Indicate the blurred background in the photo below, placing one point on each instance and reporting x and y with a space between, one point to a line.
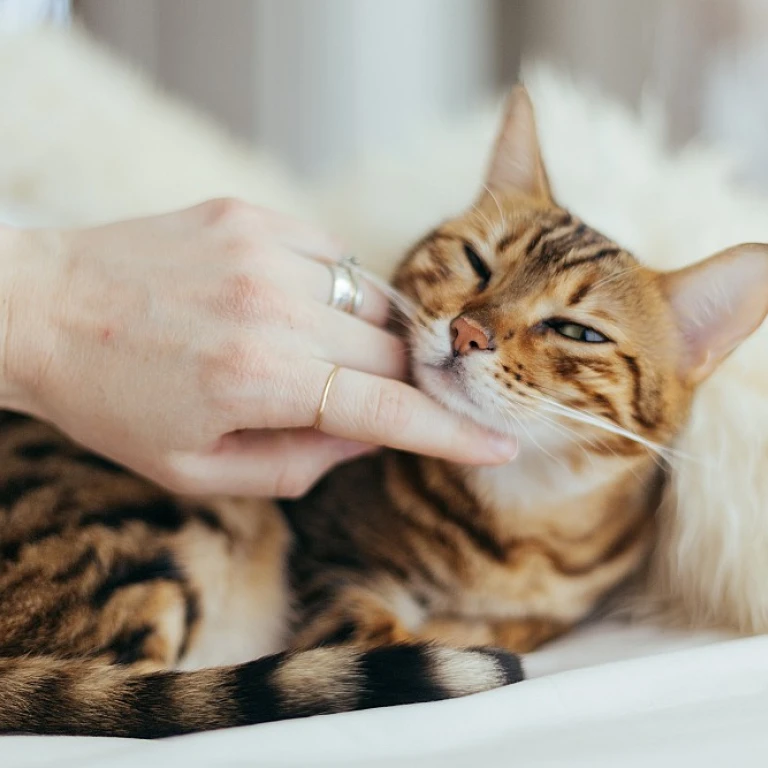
323 81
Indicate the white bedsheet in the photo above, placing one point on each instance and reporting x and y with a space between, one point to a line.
684 699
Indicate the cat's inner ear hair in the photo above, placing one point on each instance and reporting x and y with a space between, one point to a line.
516 162
716 304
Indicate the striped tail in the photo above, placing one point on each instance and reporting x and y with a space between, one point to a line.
44 695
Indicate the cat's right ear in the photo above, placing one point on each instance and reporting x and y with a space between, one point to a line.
717 303
516 162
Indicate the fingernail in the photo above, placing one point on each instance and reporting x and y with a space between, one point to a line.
503 447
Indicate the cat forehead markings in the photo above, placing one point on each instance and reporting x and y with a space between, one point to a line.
536 247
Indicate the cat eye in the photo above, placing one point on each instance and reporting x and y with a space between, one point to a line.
478 265
577 332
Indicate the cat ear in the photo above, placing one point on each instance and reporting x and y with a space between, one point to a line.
516 162
717 303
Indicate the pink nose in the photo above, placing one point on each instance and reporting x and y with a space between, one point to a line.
468 336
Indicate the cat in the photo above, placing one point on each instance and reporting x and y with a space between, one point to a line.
126 611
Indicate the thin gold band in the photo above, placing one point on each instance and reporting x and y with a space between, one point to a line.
324 396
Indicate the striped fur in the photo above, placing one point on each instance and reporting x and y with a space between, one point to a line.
88 698
402 548
108 585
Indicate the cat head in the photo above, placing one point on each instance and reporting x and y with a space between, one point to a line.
529 321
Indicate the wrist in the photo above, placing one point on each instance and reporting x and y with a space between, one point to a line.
24 300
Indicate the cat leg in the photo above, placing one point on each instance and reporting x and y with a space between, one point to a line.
357 616
457 632
526 635
517 635
147 626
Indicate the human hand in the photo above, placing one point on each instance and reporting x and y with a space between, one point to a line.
194 347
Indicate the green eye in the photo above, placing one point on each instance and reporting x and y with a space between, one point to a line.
577 332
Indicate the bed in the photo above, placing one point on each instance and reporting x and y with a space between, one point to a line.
610 695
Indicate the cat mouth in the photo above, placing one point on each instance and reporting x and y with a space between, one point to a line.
446 382
450 371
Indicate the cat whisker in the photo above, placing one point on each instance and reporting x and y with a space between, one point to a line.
587 418
657 453
608 426
596 421
592 441
481 215
506 417
495 200
536 442
561 428
617 276
570 434
402 303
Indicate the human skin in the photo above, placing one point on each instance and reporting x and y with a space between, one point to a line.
193 347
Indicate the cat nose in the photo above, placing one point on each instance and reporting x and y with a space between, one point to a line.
468 336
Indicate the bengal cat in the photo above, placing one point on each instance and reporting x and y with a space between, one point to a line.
126 611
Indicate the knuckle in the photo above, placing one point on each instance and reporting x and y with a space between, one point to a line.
225 210
233 365
245 251
391 411
243 296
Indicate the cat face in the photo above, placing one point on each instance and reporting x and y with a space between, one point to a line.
530 321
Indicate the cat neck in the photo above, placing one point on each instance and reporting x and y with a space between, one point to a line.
564 478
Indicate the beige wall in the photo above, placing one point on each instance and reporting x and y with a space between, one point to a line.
199 49
322 81
706 59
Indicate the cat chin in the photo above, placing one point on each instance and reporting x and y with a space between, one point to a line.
443 387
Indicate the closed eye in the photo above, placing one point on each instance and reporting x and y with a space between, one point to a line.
576 331
478 265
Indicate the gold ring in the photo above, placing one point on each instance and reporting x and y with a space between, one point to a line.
324 397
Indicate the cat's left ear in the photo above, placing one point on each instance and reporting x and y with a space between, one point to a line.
717 303
516 162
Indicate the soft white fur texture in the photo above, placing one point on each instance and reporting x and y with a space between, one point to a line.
82 140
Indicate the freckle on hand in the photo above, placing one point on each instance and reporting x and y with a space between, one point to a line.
106 334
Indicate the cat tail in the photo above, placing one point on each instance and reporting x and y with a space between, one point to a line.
46 695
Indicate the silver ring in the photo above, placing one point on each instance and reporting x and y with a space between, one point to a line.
346 293
353 267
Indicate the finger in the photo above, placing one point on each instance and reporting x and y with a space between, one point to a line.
301 236
351 344
267 463
378 410
372 409
292 273
374 307
298 235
